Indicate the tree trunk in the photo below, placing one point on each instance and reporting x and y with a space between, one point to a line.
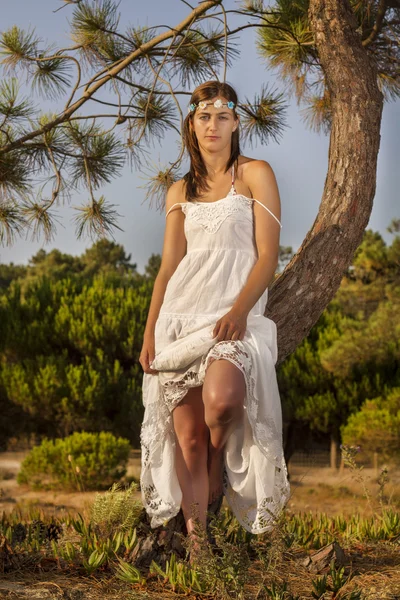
375 463
333 453
311 279
289 440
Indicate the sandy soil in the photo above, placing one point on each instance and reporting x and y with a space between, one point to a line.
312 489
340 492
52 502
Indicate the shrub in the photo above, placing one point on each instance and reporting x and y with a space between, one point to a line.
82 461
376 427
116 510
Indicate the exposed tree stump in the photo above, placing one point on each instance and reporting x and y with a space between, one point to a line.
158 544
320 560
9 560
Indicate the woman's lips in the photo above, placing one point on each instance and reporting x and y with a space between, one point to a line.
212 137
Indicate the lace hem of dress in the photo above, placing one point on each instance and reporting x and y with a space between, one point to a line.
154 431
270 509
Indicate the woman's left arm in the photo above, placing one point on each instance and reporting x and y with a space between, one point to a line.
264 188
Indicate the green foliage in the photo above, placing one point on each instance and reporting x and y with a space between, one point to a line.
82 461
10 106
9 273
128 573
104 258
376 427
71 331
371 260
353 352
279 592
289 46
321 585
226 567
305 530
95 561
219 574
92 28
116 510
180 577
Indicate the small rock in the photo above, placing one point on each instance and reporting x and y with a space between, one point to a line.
321 559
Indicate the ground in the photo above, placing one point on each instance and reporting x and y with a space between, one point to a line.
312 489
315 490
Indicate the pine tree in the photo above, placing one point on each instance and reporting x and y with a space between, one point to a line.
344 51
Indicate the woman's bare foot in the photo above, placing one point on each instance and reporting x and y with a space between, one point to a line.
194 549
215 465
197 536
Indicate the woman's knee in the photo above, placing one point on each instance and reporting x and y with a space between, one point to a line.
190 428
224 392
222 405
193 442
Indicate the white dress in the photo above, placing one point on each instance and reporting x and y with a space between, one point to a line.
221 252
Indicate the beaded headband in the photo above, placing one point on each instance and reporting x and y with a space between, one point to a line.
218 104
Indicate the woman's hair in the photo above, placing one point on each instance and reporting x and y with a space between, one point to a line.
196 178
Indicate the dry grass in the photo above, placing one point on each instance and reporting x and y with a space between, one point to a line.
275 564
53 503
376 569
334 492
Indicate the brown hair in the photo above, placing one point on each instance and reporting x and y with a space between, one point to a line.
196 178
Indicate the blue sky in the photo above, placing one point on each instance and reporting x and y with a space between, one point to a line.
299 158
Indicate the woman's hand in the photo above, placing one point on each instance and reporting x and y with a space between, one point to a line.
147 354
231 326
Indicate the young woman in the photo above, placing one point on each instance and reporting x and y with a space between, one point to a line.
213 421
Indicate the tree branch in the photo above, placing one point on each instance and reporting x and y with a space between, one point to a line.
380 15
204 7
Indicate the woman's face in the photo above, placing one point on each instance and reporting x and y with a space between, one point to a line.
214 126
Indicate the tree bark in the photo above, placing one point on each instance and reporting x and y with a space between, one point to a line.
333 453
298 296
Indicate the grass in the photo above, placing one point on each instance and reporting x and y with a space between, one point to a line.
248 567
88 555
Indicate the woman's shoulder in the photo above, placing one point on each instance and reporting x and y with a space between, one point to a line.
256 173
175 194
177 188
253 166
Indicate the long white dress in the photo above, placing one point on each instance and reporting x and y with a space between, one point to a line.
221 252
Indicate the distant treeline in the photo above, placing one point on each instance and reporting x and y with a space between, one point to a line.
71 330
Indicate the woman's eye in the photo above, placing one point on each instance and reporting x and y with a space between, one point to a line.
203 117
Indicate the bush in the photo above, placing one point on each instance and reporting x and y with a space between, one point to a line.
116 510
82 461
376 427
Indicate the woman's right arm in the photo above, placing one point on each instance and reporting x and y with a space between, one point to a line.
174 249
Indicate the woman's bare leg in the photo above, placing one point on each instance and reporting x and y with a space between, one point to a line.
224 391
191 455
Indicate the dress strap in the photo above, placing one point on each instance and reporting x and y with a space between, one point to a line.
176 204
263 205
233 189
